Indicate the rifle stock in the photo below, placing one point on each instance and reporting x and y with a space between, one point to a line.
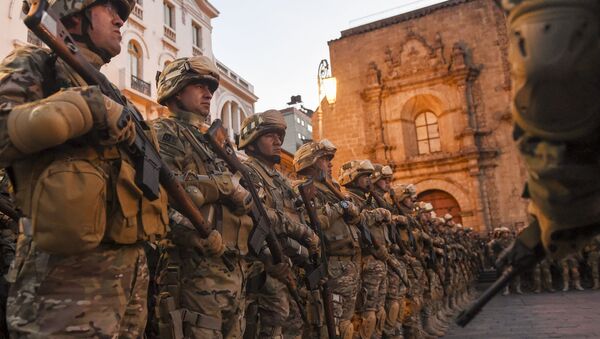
151 171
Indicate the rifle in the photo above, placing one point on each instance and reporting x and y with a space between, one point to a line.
307 192
150 170
217 138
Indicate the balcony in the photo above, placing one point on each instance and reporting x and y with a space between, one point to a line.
196 50
170 34
140 85
138 11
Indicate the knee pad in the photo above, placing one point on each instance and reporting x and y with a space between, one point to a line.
393 312
346 329
367 325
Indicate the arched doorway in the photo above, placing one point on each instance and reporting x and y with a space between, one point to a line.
442 203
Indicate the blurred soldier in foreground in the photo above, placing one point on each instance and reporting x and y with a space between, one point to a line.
554 53
80 268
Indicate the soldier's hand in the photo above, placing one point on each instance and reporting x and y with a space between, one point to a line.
212 246
313 242
279 271
240 197
381 215
110 123
351 212
400 219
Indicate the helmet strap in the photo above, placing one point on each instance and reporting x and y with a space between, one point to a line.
86 26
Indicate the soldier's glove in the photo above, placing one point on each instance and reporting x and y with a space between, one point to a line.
400 219
381 215
112 125
281 271
312 240
52 121
350 211
239 197
382 254
212 246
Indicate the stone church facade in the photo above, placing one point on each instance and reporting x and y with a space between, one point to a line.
429 93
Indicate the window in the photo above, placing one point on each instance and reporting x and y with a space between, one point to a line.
428 135
135 59
297 120
196 35
169 15
309 127
302 122
300 136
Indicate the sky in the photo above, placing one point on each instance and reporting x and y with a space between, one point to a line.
277 45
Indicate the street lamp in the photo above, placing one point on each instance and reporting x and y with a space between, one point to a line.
327 88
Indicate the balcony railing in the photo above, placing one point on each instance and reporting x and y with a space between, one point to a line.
196 50
170 33
138 11
140 85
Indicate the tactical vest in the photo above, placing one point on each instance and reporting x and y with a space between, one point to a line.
190 163
341 239
80 194
379 231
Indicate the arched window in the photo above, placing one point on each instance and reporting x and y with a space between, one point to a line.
135 59
428 134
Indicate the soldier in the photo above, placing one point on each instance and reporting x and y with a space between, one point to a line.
570 271
80 268
396 290
542 272
338 219
201 282
261 138
355 177
593 261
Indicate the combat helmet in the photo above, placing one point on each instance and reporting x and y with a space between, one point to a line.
261 123
184 71
310 152
66 8
404 191
353 169
381 172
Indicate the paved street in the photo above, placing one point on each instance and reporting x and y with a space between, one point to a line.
548 315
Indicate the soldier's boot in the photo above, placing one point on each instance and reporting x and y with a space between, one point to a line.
596 283
427 324
538 286
577 285
506 291
565 284
518 289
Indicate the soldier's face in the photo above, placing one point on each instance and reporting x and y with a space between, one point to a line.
364 182
269 145
323 164
383 184
105 30
195 98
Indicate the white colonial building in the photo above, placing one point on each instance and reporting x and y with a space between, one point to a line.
157 32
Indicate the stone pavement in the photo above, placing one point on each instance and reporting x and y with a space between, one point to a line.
573 314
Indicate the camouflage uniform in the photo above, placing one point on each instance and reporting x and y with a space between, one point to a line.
200 296
60 289
542 270
593 261
570 268
338 220
370 306
273 298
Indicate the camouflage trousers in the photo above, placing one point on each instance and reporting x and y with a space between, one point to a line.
372 297
97 294
207 299
394 305
593 262
273 301
569 265
344 283
542 273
